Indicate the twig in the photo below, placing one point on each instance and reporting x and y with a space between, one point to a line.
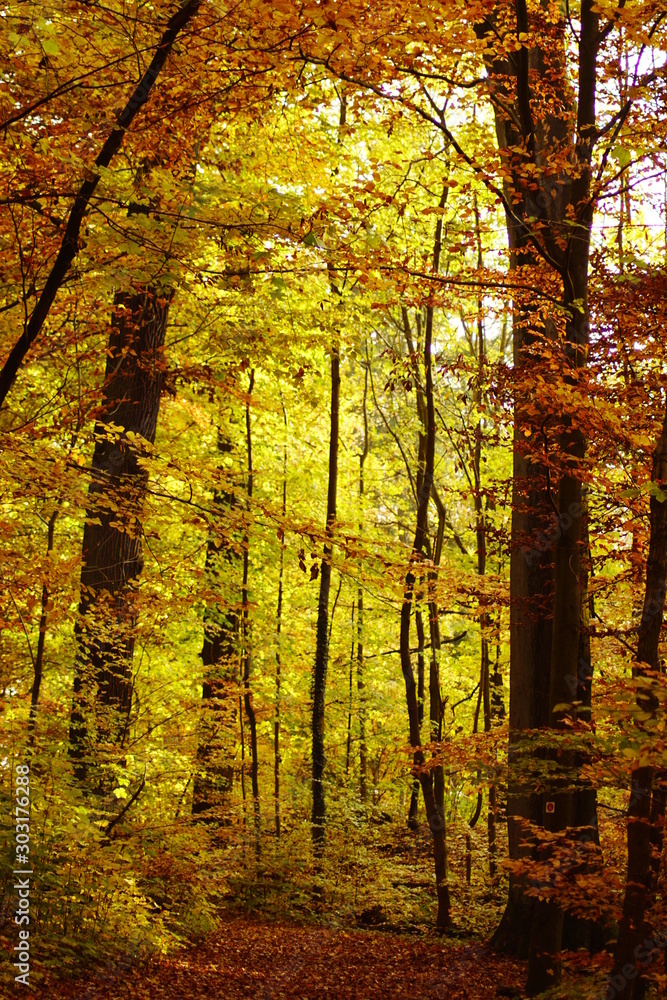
127 805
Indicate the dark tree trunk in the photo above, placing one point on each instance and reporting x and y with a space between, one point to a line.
579 932
544 959
636 949
279 620
112 550
361 687
246 642
348 749
322 647
414 797
434 811
214 776
481 530
38 665
545 602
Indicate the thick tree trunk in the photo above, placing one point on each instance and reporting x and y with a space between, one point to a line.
636 948
112 550
544 630
559 803
322 647
579 932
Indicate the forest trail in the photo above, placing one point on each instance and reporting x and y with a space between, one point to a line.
249 958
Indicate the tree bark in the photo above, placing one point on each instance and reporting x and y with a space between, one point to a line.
635 949
348 749
112 549
43 619
414 797
434 812
361 687
481 533
279 620
544 960
545 603
322 647
245 631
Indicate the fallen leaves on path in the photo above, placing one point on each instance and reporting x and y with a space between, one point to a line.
250 958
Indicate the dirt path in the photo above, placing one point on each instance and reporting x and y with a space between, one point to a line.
278 961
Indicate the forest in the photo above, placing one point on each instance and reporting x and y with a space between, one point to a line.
333 499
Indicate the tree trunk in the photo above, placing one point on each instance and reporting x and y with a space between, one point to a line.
636 949
112 551
414 797
38 665
348 749
481 534
544 960
279 619
361 692
214 775
538 201
434 812
322 647
245 631
579 932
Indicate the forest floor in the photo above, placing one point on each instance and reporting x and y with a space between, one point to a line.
251 958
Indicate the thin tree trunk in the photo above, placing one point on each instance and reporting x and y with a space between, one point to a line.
435 698
322 647
348 749
279 618
421 663
214 774
39 657
112 551
361 693
635 948
245 624
481 530
434 813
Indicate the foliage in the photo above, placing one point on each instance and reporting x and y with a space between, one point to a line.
280 189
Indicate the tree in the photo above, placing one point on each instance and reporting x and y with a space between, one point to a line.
112 541
70 241
217 742
428 777
636 947
301 257
322 642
